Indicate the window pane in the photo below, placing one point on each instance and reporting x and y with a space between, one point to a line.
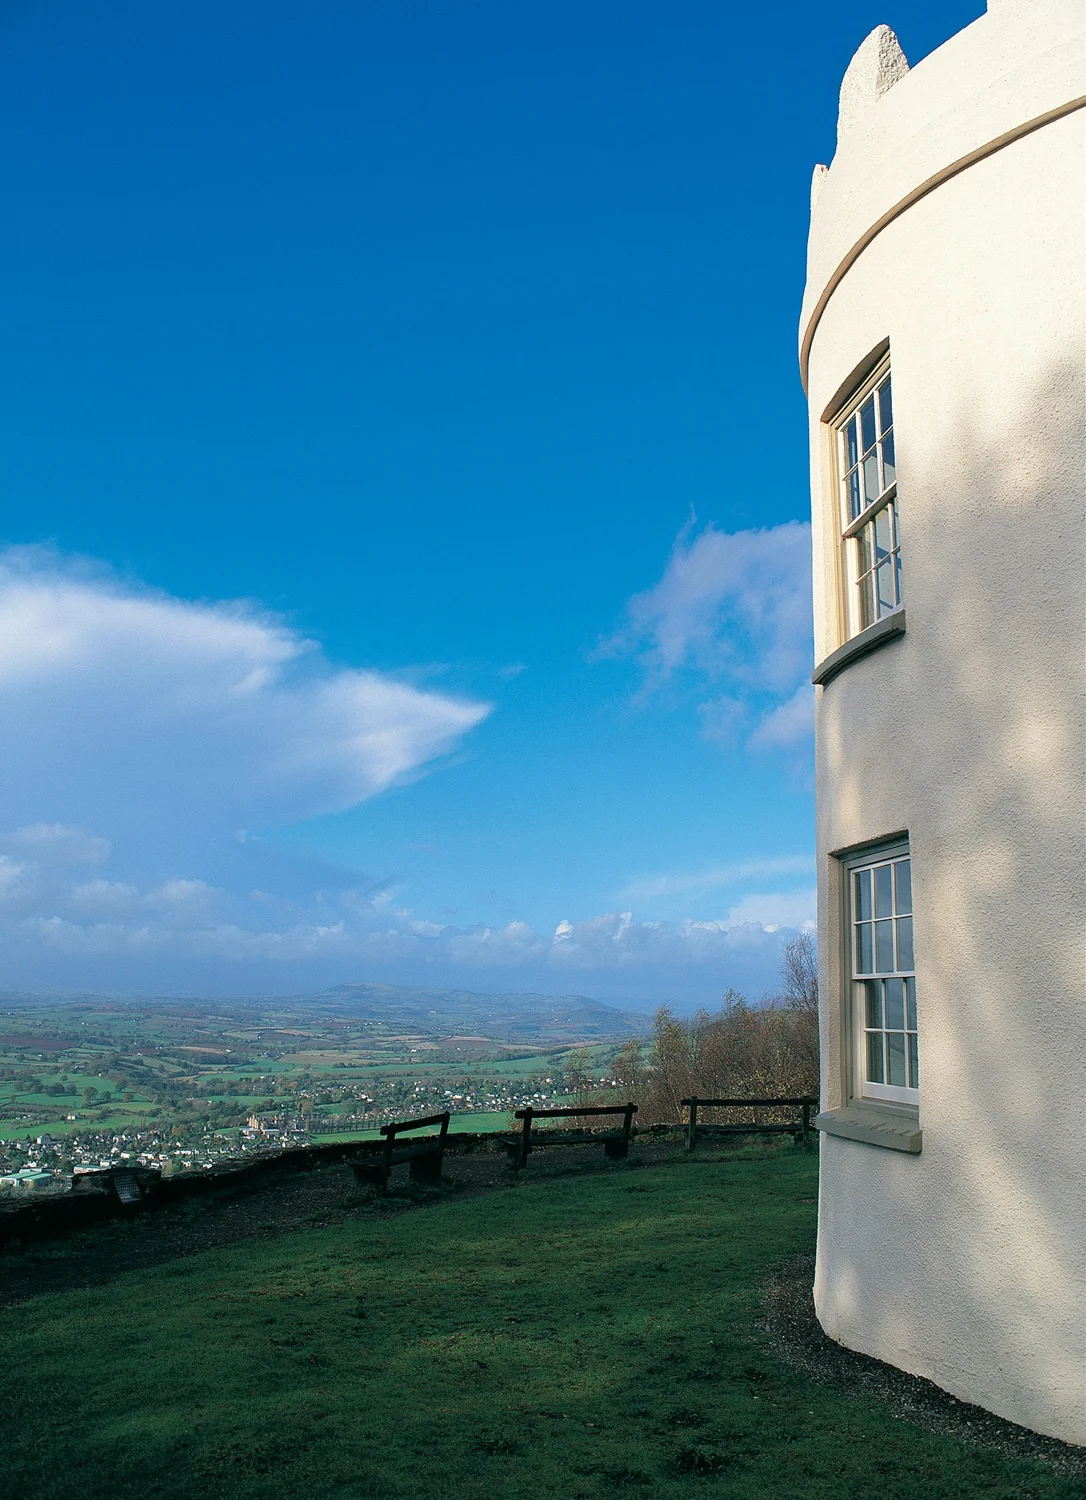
895 1004
884 947
889 468
872 488
883 896
873 999
886 588
903 879
914 1065
910 1003
867 601
884 536
867 423
895 1058
863 551
897 576
864 953
855 499
905 943
861 896
851 443
886 413
874 1057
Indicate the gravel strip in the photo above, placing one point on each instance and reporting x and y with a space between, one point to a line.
798 1339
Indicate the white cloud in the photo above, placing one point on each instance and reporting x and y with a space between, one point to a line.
140 732
49 919
169 721
57 844
729 604
104 898
731 608
792 909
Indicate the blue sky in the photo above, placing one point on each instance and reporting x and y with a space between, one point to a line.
403 464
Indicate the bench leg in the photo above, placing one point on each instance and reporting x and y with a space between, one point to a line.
370 1174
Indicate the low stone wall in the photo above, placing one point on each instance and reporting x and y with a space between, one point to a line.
95 1202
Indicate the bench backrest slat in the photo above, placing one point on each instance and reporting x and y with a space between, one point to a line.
583 1109
399 1126
743 1103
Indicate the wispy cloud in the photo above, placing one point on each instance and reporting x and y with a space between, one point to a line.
790 723
170 720
717 877
65 920
732 610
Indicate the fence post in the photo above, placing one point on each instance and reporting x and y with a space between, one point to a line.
692 1125
526 1131
806 1120
627 1125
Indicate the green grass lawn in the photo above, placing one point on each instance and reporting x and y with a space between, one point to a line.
573 1337
124 1117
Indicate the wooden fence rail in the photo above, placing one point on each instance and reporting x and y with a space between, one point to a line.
800 1129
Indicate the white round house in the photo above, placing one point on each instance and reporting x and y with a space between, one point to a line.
941 345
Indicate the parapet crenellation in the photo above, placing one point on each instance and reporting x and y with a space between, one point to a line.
877 64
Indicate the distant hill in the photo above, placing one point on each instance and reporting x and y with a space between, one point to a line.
513 1018
510 1017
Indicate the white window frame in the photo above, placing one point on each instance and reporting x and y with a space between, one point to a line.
867 507
859 978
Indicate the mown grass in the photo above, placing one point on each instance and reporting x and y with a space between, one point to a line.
573 1338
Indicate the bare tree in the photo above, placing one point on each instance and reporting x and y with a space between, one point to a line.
799 973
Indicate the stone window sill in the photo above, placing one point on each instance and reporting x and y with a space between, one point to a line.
896 1128
880 634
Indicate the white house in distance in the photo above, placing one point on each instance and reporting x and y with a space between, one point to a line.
942 352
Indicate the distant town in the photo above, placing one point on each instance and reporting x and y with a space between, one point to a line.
91 1085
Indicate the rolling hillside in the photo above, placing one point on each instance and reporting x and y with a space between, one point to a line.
506 1017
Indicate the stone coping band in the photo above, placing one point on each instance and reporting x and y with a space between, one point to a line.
889 628
921 191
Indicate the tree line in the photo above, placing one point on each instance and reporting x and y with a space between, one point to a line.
740 1051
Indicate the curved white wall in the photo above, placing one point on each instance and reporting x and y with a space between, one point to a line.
965 1263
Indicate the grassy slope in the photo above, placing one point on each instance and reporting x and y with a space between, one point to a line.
569 1338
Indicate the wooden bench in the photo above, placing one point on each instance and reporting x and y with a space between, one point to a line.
130 1185
799 1130
425 1157
616 1146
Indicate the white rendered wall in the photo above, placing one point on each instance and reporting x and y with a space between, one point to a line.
965 1263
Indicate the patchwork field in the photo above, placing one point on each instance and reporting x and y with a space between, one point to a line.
575 1334
174 1078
